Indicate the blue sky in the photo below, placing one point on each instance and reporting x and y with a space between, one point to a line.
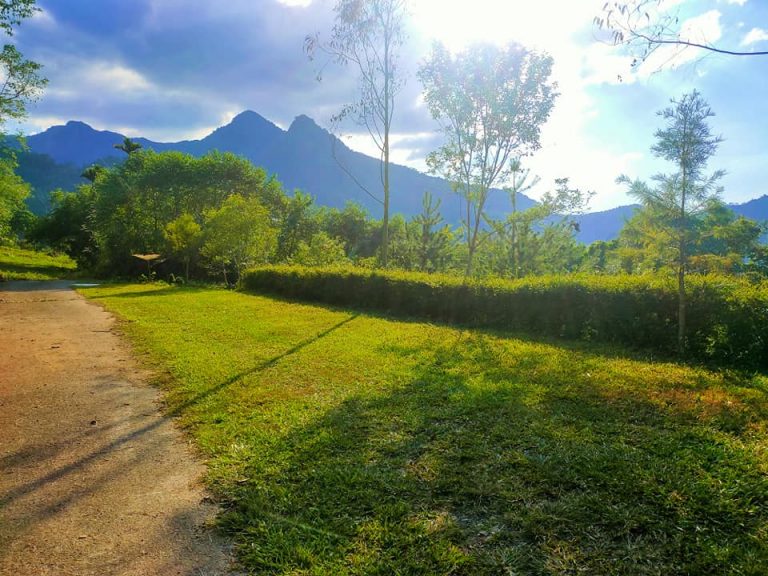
177 69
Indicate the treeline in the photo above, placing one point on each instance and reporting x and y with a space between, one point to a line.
217 215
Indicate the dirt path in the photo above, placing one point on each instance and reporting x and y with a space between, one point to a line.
93 480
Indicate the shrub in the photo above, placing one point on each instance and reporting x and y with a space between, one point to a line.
727 317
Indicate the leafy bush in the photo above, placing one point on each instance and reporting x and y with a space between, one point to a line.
727 317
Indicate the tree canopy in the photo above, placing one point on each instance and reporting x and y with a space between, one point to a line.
491 103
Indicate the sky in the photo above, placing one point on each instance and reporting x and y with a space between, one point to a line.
176 69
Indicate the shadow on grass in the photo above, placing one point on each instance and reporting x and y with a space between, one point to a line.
44 270
593 348
160 290
110 445
488 470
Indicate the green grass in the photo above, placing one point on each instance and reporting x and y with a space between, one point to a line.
21 264
342 443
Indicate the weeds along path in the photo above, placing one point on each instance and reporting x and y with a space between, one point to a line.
93 480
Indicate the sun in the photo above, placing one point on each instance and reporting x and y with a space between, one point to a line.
541 24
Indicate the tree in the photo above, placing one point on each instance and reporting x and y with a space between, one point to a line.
184 235
435 238
93 172
541 239
678 199
13 191
135 200
720 241
21 81
128 146
368 34
519 185
299 225
320 250
644 26
70 225
238 235
353 226
491 103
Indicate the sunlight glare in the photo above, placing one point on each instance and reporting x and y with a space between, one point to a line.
542 24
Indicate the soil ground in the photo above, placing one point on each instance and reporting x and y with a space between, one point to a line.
93 479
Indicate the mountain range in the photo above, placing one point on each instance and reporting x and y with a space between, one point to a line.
304 157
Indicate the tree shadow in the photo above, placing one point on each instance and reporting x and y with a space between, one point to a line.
94 466
47 270
609 350
178 409
488 464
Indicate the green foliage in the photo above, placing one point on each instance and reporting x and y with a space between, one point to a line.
23 264
539 240
70 226
299 224
238 235
719 242
353 226
22 83
434 238
728 317
491 103
136 200
321 250
344 444
184 237
675 204
21 79
128 146
13 191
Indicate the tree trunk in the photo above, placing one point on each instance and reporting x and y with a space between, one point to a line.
387 121
186 270
385 223
681 298
515 257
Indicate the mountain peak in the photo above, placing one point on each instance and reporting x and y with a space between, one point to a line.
248 117
78 125
302 122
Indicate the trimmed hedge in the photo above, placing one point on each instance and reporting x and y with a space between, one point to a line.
727 317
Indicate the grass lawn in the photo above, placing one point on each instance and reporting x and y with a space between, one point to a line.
344 443
21 264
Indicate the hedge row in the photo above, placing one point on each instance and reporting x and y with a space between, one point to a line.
727 317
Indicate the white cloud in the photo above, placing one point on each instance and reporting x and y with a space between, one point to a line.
737 2
43 18
114 77
294 3
34 124
754 36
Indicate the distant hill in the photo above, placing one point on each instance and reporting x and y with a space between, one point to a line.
304 157
604 225
45 175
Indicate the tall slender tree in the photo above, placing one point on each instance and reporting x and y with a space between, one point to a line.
519 184
679 198
368 34
491 103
